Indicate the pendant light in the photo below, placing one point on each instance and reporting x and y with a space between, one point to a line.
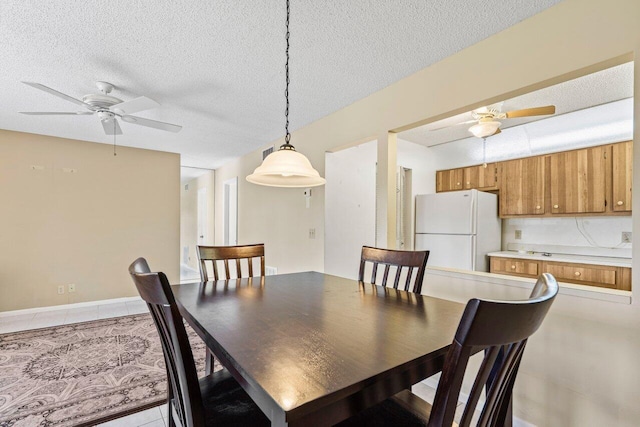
286 167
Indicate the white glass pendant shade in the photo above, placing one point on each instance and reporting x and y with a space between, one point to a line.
286 168
485 128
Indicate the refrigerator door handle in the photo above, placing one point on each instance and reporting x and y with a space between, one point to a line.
474 249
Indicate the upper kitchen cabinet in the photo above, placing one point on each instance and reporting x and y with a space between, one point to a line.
450 180
622 157
470 178
522 187
481 177
578 181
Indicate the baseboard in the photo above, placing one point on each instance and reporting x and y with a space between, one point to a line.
67 306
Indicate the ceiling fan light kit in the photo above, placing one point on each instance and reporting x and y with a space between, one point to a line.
485 128
286 167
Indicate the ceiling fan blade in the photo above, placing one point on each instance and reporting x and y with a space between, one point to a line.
450 126
111 127
56 93
43 113
133 106
538 111
151 123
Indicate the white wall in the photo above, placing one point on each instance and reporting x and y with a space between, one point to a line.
595 235
350 199
423 164
350 207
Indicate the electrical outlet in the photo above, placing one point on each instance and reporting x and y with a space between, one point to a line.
312 233
71 287
626 237
518 234
60 289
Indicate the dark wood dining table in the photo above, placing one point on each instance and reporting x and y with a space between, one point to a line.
314 349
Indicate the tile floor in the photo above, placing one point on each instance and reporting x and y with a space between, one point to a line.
154 417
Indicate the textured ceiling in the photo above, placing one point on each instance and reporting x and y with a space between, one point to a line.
599 88
217 66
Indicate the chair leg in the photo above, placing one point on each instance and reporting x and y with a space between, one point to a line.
170 411
209 362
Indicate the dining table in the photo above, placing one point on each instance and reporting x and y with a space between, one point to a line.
312 349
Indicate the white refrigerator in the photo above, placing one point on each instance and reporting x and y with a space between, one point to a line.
459 228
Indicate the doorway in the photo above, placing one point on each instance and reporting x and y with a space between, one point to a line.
231 212
202 216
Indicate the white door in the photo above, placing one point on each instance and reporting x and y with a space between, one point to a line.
446 213
450 251
202 216
231 212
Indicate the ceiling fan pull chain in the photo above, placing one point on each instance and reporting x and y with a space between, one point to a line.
114 137
484 152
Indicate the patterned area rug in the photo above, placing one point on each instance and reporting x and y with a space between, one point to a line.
85 373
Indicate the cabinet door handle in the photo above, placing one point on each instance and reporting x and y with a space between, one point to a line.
620 203
513 267
555 206
457 183
538 207
577 273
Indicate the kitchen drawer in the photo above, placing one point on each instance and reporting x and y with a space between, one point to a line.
515 266
584 274
603 276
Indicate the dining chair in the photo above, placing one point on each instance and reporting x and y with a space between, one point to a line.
412 260
493 326
214 400
214 254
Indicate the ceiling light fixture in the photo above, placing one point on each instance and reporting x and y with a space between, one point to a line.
485 128
286 167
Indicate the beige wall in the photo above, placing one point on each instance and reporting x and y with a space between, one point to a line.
189 216
570 39
84 227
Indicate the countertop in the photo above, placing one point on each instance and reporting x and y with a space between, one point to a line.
577 259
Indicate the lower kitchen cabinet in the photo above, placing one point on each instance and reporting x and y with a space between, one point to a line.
515 266
585 274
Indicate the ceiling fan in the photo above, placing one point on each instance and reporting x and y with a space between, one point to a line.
108 108
487 118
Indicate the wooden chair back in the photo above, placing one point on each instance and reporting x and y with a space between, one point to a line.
501 328
214 254
185 400
412 260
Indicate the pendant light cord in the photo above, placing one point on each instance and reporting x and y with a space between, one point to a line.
287 136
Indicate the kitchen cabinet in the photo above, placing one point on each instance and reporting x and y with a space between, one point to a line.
603 276
590 181
622 158
522 186
468 178
481 178
578 180
450 180
514 266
